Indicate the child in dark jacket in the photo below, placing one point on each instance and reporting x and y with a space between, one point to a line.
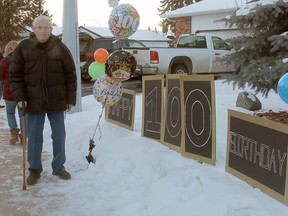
7 96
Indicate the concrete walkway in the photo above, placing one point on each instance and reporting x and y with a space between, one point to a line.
14 201
33 201
10 168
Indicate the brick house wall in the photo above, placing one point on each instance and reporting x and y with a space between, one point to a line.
183 26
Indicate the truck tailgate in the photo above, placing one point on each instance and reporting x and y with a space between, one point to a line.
142 55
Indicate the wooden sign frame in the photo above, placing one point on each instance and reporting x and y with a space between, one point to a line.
257 151
199 133
122 105
152 106
171 134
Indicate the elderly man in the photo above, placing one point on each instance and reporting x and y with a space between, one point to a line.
43 79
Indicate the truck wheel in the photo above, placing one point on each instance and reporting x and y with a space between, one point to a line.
179 69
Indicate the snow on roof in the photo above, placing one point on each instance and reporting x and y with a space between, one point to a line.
140 34
99 31
249 7
55 31
206 7
145 35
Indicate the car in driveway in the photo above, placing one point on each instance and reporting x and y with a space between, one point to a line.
111 44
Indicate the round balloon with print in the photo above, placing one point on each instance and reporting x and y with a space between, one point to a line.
120 65
123 21
107 91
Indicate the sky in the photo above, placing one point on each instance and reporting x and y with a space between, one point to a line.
137 176
96 13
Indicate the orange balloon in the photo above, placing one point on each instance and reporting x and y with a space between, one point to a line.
101 55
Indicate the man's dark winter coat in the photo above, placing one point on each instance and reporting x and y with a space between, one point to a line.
43 74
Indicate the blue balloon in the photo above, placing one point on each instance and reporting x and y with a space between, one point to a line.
282 87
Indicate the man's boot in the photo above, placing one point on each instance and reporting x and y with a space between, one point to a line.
33 177
14 137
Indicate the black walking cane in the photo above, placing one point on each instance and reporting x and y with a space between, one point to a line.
24 143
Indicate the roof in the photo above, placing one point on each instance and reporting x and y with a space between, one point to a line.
206 7
56 30
140 34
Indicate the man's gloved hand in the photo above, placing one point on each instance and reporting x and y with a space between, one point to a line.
21 103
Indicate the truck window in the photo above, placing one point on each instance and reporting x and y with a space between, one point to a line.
201 42
136 44
219 44
83 46
192 41
127 43
101 44
119 44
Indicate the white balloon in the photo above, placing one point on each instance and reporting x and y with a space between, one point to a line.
107 91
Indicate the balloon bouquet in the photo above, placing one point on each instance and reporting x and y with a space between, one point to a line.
111 70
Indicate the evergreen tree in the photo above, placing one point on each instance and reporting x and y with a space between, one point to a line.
12 15
260 50
36 9
15 15
170 5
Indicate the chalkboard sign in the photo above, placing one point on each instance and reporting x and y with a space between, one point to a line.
152 104
122 113
198 108
257 151
172 128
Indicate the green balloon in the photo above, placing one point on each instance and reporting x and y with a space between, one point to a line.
96 70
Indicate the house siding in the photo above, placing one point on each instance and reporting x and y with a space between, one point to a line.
204 23
211 24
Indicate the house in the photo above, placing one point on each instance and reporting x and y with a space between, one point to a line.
204 16
26 32
150 39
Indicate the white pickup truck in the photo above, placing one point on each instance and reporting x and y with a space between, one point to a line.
193 54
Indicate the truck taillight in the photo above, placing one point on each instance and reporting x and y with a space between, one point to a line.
90 57
154 58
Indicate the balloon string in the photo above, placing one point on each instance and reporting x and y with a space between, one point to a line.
100 116
90 158
98 123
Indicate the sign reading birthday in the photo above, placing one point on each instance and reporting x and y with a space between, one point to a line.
257 153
